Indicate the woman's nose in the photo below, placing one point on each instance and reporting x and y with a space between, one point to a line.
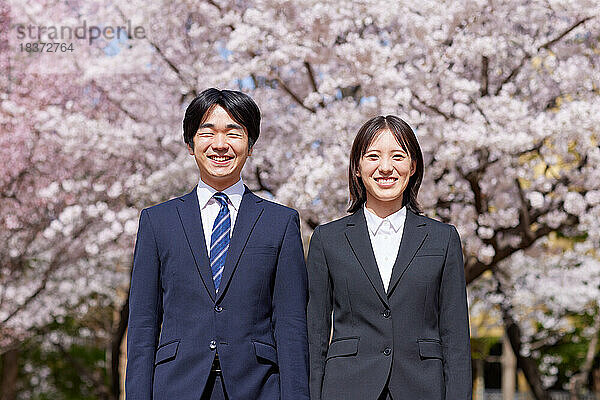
385 165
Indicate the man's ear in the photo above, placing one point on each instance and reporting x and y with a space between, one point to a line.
250 151
190 150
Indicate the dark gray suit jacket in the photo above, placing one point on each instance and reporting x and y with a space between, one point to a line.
414 338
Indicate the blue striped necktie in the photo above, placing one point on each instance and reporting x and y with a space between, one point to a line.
219 240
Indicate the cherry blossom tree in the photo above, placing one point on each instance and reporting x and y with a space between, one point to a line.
503 96
70 154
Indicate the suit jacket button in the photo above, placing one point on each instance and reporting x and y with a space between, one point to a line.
387 352
218 308
213 344
387 314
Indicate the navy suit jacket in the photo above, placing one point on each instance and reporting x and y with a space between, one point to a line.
414 338
256 322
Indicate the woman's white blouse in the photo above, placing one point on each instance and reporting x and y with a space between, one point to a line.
386 235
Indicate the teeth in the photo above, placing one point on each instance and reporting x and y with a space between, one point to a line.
391 180
219 158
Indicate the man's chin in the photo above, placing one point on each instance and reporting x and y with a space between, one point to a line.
222 179
222 173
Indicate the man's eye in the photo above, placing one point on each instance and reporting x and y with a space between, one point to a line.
234 134
204 134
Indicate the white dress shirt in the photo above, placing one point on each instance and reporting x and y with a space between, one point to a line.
386 235
209 206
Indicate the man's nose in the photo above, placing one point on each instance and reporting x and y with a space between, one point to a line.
219 142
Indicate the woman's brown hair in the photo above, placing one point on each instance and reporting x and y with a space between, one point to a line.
406 138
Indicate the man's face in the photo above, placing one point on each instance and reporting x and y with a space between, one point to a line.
220 149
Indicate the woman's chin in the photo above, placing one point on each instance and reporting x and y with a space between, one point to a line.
385 198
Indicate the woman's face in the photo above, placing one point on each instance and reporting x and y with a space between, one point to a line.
385 169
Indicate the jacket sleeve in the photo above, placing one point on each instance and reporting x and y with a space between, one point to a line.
454 323
289 314
145 313
318 313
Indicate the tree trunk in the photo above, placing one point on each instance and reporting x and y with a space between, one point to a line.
596 383
116 341
479 379
10 370
527 364
580 379
509 370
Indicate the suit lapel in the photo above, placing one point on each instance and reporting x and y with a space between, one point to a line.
358 236
189 214
413 235
249 212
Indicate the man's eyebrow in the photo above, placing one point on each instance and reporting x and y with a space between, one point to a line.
228 126
234 126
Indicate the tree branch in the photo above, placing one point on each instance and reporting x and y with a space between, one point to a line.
311 76
474 269
162 55
313 81
46 276
39 289
312 223
481 111
115 102
212 3
528 56
432 108
524 210
261 184
293 95
483 90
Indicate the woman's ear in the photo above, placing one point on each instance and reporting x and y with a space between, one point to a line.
413 167
190 150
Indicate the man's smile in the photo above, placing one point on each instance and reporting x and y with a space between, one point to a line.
221 159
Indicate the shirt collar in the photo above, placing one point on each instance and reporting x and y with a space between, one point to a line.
374 222
233 192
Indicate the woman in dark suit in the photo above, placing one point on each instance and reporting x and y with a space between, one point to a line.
394 280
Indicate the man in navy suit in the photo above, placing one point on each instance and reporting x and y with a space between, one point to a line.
219 288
